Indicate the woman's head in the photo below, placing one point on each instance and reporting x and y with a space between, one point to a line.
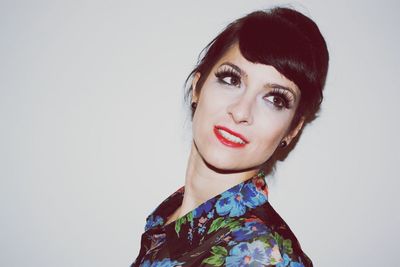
284 41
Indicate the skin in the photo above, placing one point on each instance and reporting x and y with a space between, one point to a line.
245 106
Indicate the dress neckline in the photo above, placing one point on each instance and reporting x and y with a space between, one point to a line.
233 202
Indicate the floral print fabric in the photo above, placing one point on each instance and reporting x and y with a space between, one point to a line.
235 228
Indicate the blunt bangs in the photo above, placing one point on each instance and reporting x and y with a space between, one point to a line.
272 40
283 38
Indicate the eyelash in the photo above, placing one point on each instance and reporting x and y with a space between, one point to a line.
285 97
280 93
225 73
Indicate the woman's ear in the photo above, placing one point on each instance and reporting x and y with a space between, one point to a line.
293 133
195 93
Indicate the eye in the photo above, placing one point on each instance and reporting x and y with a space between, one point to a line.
229 77
280 98
232 80
277 101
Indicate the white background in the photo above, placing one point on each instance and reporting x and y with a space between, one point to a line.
94 133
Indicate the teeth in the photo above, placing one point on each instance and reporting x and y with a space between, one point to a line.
230 137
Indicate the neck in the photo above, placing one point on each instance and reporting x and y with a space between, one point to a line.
203 182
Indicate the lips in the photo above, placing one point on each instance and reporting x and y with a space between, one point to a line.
229 137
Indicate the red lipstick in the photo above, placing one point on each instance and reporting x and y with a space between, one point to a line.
227 142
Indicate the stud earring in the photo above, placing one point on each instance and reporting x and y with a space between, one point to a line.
282 144
194 105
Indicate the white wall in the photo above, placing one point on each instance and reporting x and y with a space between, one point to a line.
94 133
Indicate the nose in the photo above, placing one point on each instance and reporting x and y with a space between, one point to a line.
241 110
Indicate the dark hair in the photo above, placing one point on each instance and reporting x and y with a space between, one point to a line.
285 39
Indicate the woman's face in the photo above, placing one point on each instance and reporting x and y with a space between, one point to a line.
243 112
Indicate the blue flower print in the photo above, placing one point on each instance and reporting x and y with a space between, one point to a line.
250 230
210 214
203 208
153 221
232 243
296 264
247 254
201 229
235 200
162 263
285 261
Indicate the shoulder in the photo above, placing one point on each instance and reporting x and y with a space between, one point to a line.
258 237
255 239
264 227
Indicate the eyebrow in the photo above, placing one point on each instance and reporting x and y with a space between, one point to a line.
267 85
241 72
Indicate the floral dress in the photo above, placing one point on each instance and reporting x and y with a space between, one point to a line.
235 228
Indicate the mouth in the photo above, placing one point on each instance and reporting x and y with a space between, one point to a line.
229 137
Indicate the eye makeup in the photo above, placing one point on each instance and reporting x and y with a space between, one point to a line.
282 98
228 75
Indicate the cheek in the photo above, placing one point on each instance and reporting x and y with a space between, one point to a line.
210 106
202 120
210 111
272 131
269 141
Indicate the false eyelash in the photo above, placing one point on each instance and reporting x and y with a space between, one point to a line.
287 97
226 72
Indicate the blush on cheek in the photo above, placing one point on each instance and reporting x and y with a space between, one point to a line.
270 145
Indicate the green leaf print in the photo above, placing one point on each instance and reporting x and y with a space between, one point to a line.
216 224
278 239
218 250
219 223
178 224
218 257
287 246
190 217
284 244
233 225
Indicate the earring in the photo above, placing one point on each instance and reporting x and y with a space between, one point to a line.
194 105
282 144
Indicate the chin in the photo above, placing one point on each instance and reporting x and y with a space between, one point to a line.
222 160
224 165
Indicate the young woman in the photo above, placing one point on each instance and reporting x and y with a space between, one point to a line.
258 83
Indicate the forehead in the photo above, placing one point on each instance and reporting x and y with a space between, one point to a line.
250 70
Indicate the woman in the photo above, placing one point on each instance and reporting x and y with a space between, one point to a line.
257 85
